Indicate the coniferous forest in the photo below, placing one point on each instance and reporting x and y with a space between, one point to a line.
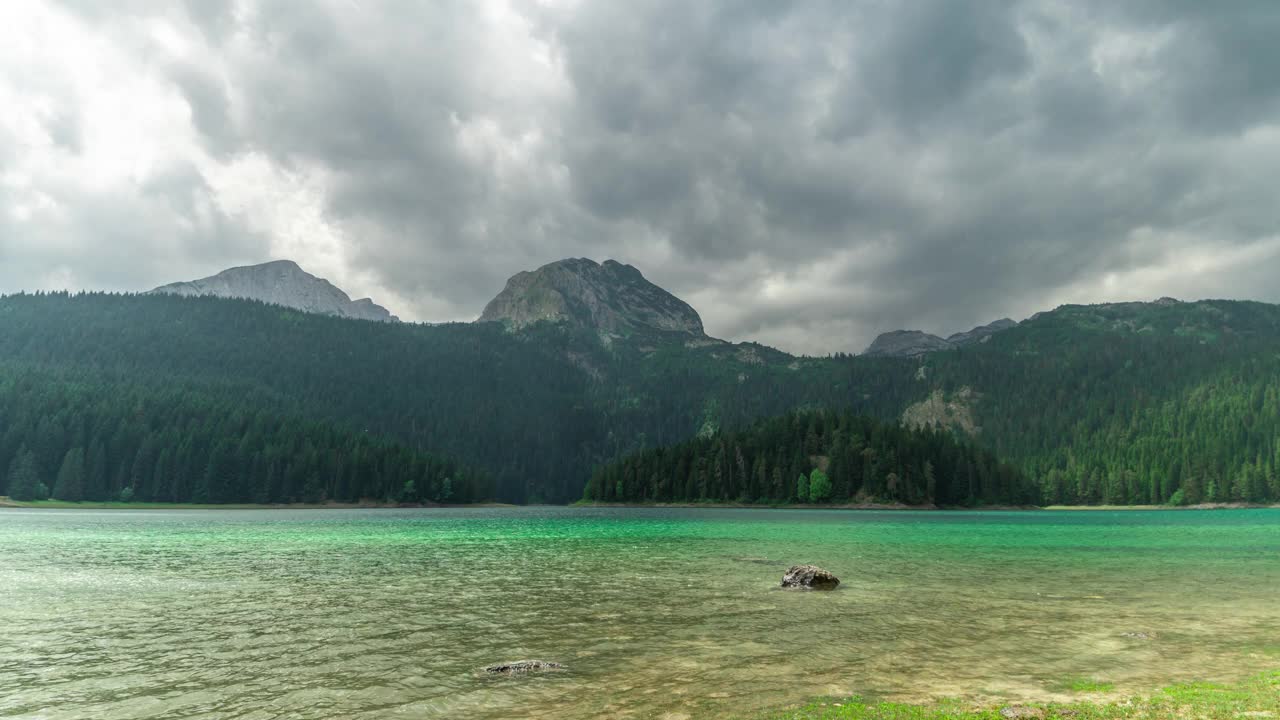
74 439
816 457
232 400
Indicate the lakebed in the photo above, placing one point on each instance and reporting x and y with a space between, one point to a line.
654 612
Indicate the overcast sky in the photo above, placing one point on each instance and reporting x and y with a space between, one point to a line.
804 174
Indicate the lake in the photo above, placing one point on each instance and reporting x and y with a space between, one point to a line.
658 613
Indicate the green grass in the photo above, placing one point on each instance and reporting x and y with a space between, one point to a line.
1258 697
1087 685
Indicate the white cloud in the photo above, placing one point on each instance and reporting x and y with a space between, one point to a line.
803 175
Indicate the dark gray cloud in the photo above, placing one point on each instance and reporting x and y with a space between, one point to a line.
805 174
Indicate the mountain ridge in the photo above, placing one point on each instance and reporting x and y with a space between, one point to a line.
283 283
1065 396
610 298
914 343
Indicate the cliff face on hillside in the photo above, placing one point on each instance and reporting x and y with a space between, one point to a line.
906 343
282 283
913 343
608 297
981 333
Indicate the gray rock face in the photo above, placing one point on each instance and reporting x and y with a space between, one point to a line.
609 297
906 343
914 343
810 577
282 283
519 667
981 333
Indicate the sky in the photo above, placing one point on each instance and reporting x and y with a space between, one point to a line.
805 174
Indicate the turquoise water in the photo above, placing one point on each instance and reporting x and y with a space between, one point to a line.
657 613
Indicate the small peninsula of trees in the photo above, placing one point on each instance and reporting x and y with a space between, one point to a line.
816 457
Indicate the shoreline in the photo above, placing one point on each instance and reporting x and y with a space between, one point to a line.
1257 696
1200 506
7 504
758 506
921 508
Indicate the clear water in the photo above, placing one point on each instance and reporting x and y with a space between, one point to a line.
657 613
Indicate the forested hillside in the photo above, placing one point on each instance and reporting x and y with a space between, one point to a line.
74 436
461 391
816 457
1119 403
537 409
1132 403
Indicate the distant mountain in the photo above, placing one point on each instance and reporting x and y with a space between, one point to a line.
1115 403
914 343
906 343
609 298
283 283
981 333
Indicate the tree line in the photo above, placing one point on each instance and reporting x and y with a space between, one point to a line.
74 438
1127 404
816 457
1133 404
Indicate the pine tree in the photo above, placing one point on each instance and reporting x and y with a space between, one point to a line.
24 479
70 483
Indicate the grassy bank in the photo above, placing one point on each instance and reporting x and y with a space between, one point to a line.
111 505
1258 697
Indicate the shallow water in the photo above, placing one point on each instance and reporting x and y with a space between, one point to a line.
657 613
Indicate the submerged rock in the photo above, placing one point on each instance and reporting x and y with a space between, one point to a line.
522 666
810 577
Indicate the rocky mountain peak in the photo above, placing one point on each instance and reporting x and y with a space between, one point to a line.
981 333
905 343
284 283
913 343
608 297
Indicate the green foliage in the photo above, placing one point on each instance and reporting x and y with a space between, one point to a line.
1088 685
177 443
1130 403
870 461
70 483
819 486
24 478
1122 404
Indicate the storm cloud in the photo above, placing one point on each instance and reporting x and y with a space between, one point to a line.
804 174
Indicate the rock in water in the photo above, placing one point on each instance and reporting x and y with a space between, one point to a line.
810 577
522 666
